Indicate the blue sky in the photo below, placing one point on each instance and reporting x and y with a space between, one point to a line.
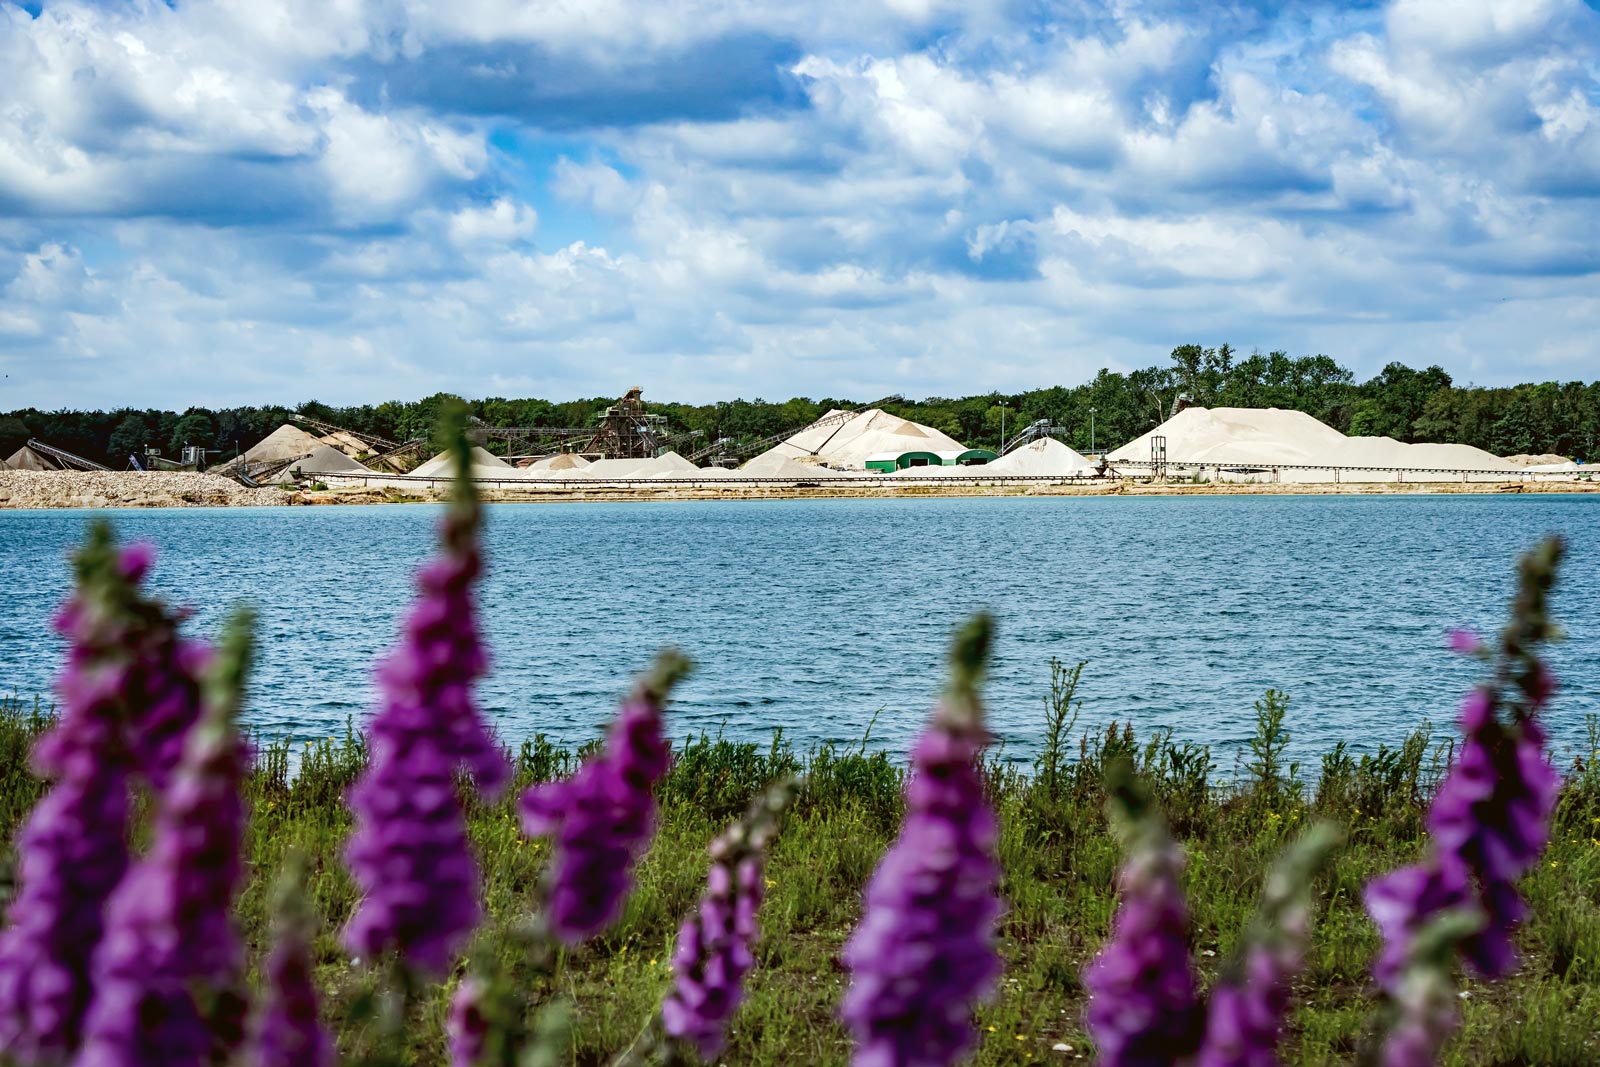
249 201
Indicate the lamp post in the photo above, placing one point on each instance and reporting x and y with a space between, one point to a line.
1091 429
1002 426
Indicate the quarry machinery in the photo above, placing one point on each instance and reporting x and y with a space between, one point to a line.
1031 432
65 458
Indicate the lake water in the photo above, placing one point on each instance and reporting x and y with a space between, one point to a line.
816 616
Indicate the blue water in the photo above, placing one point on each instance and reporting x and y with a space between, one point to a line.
815 616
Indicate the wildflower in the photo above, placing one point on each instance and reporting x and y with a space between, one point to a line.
1143 1008
1245 1015
714 943
466 1027
1466 643
409 852
1490 819
604 815
168 927
924 954
1422 1009
127 689
288 1030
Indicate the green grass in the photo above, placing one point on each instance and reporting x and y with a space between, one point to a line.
1059 863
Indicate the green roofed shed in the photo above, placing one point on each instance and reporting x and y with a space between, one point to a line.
898 461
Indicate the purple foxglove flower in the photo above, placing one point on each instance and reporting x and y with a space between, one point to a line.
714 944
128 682
168 928
466 1027
924 954
1490 819
604 815
289 1032
1247 1009
1422 1005
409 853
1465 642
1143 1009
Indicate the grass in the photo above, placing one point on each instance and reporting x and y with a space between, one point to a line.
1059 863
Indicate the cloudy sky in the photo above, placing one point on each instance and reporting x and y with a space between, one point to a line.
250 201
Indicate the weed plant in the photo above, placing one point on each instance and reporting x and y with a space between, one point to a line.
1059 861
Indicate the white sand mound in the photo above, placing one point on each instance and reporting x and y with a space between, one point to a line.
767 465
699 473
326 459
282 445
620 468
1238 435
441 466
1548 459
562 461
674 462
848 443
26 459
1046 456
940 471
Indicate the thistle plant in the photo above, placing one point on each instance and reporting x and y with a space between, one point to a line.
129 689
169 958
602 818
715 942
288 1030
409 853
1143 1009
1488 823
924 954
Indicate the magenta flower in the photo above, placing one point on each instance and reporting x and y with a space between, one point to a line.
409 852
1143 1010
1465 642
604 815
1490 820
168 927
288 1031
924 955
128 688
715 943
1248 1007
466 1027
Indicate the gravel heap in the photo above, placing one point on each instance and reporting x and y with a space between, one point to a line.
128 489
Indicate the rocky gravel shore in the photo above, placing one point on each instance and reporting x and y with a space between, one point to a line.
131 489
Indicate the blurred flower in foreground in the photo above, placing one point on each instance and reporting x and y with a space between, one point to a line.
169 942
715 942
409 852
1487 825
924 955
129 691
1143 1010
288 1031
604 815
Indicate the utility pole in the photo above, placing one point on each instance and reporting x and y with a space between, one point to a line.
1002 425
1091 429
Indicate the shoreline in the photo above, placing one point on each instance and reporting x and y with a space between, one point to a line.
30 490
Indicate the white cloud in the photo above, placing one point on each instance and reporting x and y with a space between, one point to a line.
224 192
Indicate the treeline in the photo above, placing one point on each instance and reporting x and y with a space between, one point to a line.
1112 408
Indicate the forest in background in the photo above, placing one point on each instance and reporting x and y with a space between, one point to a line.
1400 402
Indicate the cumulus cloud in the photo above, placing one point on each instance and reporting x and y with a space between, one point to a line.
264 201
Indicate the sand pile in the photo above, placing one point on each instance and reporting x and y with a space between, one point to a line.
129 489
326 459
850 442
1046 456
484 465
282 445
27 459
1238 436
619 468
768 465
563 461
1224 438
1549 459
346 443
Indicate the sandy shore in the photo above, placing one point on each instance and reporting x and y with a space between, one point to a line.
73 489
